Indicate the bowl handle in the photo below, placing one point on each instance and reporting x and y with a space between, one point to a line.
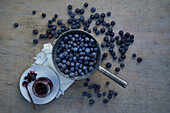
113 77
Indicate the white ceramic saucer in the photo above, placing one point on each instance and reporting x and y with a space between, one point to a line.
42 71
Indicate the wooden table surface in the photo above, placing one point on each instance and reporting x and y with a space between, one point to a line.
149 82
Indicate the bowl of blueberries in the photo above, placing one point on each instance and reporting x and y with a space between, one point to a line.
77 55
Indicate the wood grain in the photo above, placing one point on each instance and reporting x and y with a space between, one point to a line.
149 81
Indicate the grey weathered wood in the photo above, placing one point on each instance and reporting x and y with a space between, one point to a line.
148 90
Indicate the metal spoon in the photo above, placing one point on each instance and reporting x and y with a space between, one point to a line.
25 84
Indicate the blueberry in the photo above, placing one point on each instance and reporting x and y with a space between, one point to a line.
113 53
69 11
91 40
110 30
85 4
99 95
104 93
132 36
82 11
109 96
112 34
89 21
77 10
98 86
85 28
33 12
107 83
120 59
90 87
105 55
115 94
59 22
94 28
117 69
123 56
107 33
102 15
89 95
112 39
73 27
15 24
111 92
104 23
107 25
89 31
106 39
122 65
49 25
69 7
45 36
97 32
96 15
127 34
134 55
93 9
117 37
84 93
108 65
91 16
118 42
91 101
85 84
87 79
121 32
102 30
112 23
131 40
35 32
53 19
90 69
59 31
41 36
105 101
43 15
81 18
97 23
139 59
35 41
107 45
71 74
111 50
96 90
108 13
94 85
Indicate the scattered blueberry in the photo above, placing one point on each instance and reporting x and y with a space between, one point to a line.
107 83
117 69
85 4
108 13
122 65
87 79
35 41
35 32
33 12
15 24
99 95
134 55
69 7
85 84
43 15
89 95
105 101
115 94
84 93
104 93
139 59
93 9
91 101
109 96
111 92
108 65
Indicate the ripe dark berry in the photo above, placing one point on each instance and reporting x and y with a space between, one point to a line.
77 10
108 13
98 86
107 45
102 15
120 59
122 65
132 36
91 101
117 37
93 9
87 79
82 11
103 44
97 32
85 4
106 39
15 24
123 56
127 34
139 59
53 19
102 30
41 36
55 15
110 30
94 85
112 23
107 83
114 57
69 7
117 69
109 96
112 34
85 84
35 32
84 93
96 15
99 95
89 95
115 94
108 65
134 55
112 39
90 87
35 41
59 22
43 15
121 32
105 101
105 55
94 28
33 12
107 25
111 92
104 93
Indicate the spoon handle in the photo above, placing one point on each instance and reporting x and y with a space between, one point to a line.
31 98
